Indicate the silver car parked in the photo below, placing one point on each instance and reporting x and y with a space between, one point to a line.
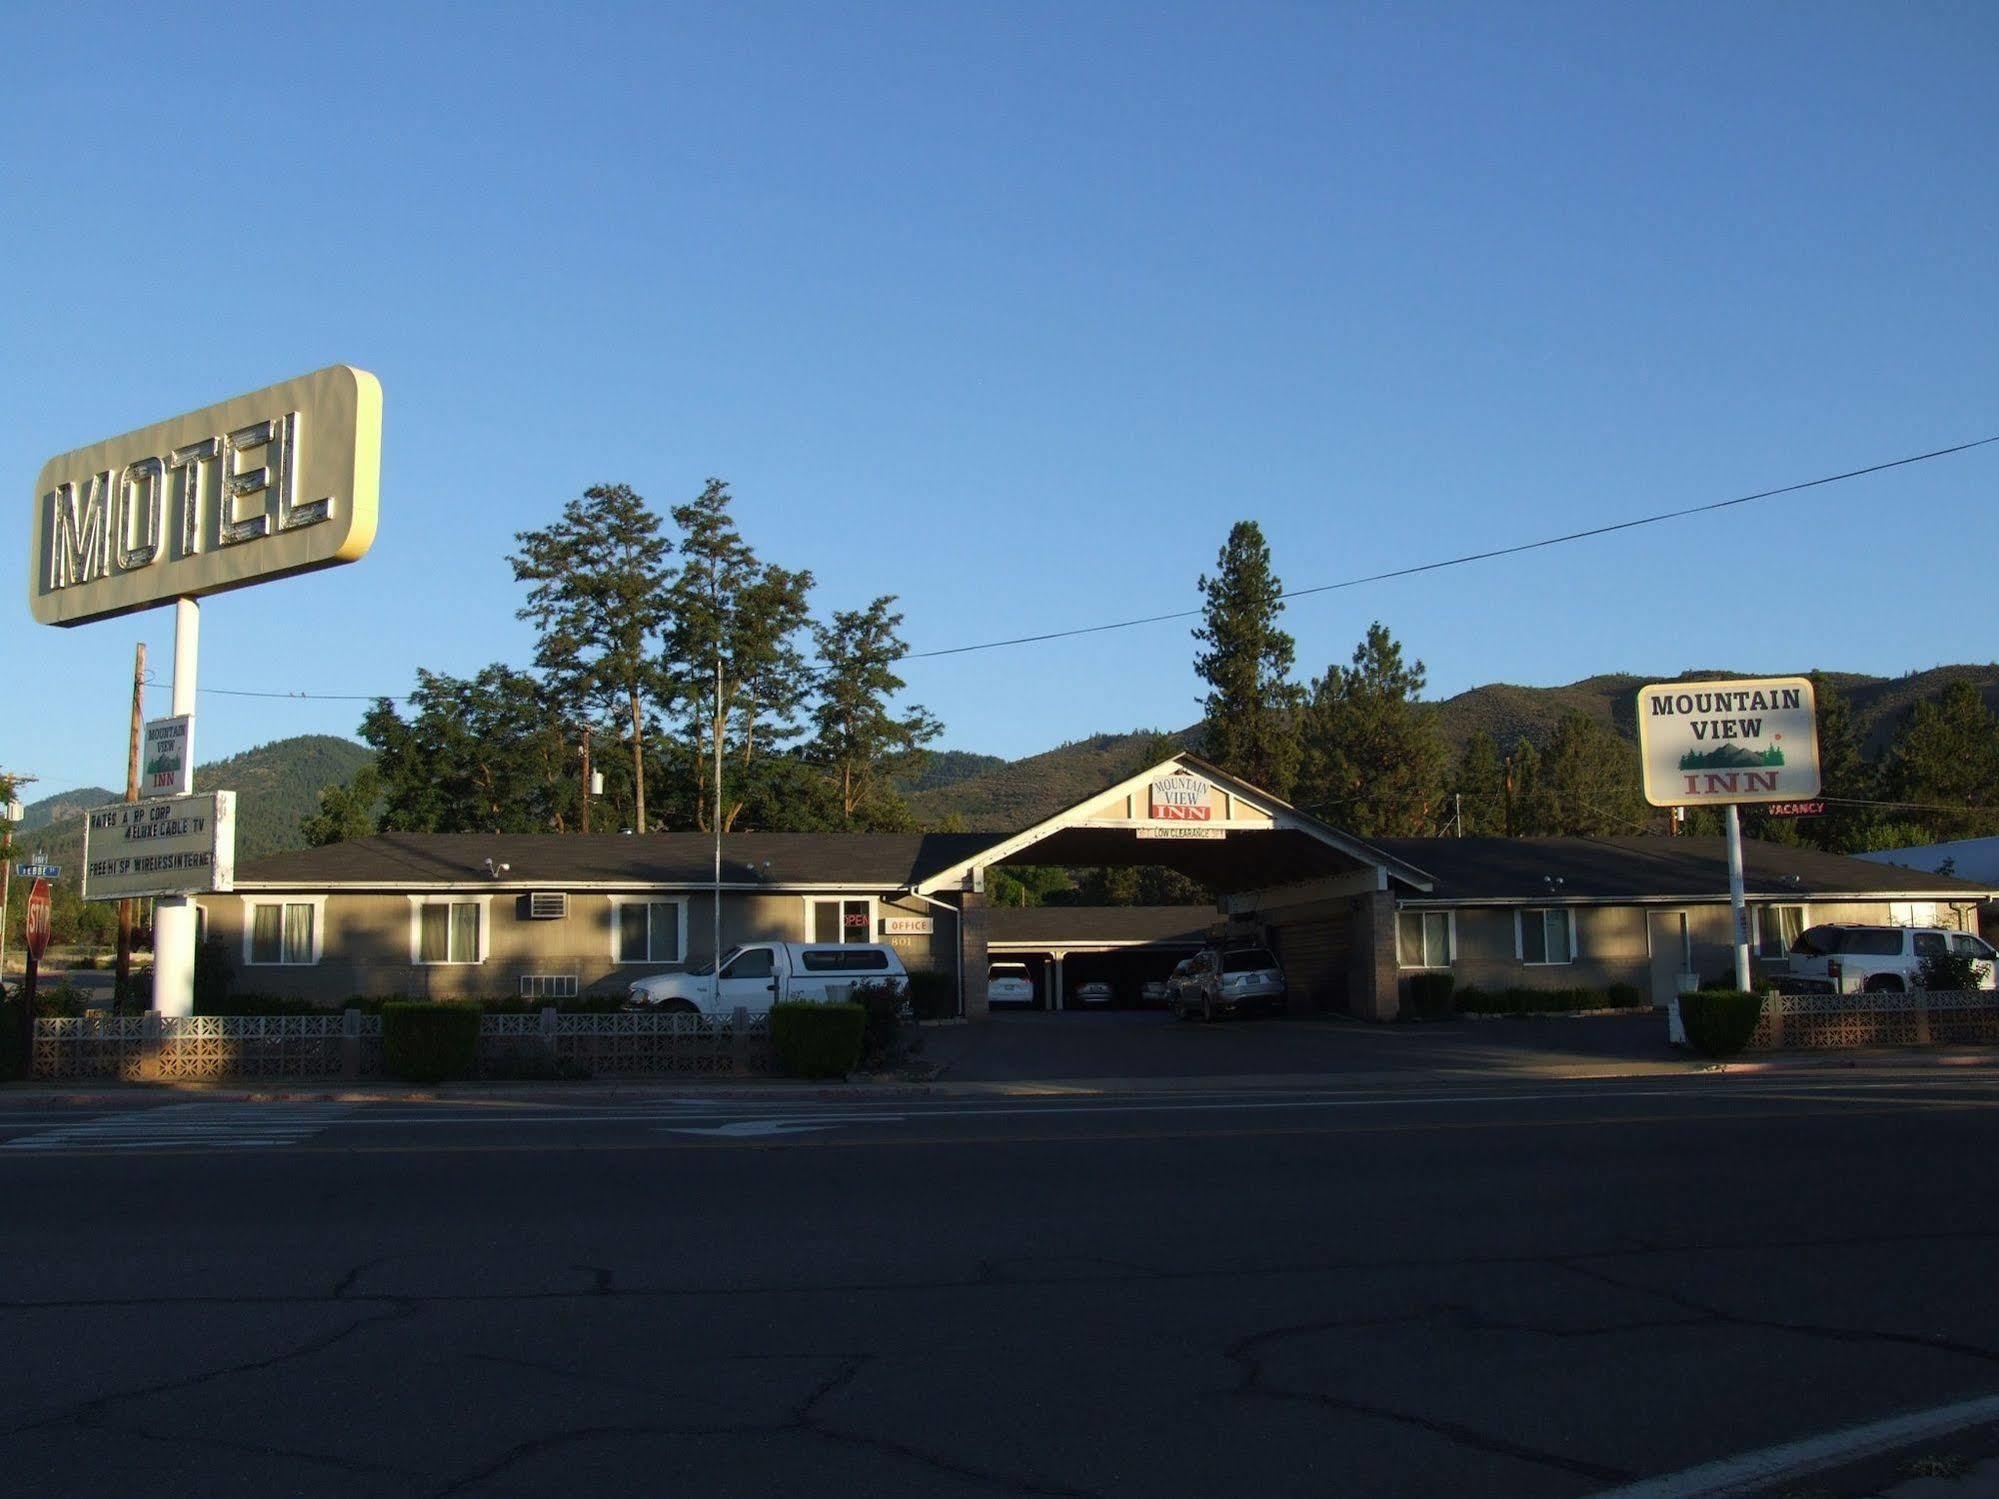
1228 981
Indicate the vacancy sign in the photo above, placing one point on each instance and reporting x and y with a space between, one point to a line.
173 845
1715 743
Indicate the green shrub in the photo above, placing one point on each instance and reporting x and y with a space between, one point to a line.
884 1007
1430 995
13 1062
1949 973
1625 996
1521 1000
429 1043
817 1040
214 977
1471 1000
1719 1022
933 996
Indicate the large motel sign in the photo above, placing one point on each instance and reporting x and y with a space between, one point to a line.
283 480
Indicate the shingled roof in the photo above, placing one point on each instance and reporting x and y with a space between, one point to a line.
414 861
1612 869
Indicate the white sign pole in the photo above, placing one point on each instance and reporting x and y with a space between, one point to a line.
1738 909
173 915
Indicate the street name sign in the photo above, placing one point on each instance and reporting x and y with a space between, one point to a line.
37 870
166 766
283 480
1712 744
175 845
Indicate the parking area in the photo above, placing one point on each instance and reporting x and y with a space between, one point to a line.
1038 1047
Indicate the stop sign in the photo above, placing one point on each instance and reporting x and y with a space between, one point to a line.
38 919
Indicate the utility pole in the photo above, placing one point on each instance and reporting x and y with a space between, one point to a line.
131 795
586 778
9 787
1458 812
1509 796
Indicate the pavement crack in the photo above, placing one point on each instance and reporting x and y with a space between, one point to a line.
95 1410
1710 1314
1248 1355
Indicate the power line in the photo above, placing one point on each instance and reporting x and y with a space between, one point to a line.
1413 570
1486 556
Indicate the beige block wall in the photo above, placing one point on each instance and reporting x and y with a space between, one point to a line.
1612 943
366 943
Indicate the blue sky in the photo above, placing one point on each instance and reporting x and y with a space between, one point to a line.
1012 309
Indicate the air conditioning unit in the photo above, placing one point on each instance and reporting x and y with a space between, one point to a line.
548 905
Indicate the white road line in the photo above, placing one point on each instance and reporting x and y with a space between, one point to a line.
225 1126
1751 1471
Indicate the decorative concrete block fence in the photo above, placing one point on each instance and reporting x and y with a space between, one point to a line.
348 1046
1920 1018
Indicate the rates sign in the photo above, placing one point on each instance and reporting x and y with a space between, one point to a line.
1715 743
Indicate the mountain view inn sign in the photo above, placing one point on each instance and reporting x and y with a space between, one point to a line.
1718 743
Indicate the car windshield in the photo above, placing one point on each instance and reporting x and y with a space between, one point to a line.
1007 971
707 965
1247 960
1866 941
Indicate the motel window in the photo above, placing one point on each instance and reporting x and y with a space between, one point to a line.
849 919
282 932
1423 939
1777 927
1546 936
448 932
649 931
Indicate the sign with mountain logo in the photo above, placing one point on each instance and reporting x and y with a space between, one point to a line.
167 766
1715 743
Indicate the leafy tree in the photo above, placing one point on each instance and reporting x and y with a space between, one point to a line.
1372 760
1844 772
1480 789
727 604
1946 754
345 812
1028 885
860 742
1529 808
1251 702
1592 782
599 577
485 755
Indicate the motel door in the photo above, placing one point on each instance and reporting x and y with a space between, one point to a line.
1671 937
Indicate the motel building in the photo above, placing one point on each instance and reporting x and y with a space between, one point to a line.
468 916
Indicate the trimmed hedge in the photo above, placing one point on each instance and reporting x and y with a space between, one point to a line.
1430 995
881 1037
1719 1022
426 1043
933 995
1524 1001
817 1040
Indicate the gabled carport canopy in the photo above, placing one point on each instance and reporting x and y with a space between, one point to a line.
1263 841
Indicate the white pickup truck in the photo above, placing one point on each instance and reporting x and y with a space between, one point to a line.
1846 959
758 975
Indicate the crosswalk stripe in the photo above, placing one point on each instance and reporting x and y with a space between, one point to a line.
228 1126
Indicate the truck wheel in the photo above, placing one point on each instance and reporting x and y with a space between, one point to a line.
1885 983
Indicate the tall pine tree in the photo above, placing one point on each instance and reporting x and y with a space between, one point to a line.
1945 756
728 606
1372 760
599 577
1251 703
861 741
1479 787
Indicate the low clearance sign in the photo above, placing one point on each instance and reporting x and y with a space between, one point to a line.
1713 743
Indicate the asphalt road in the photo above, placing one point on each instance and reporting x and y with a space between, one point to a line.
1514 1289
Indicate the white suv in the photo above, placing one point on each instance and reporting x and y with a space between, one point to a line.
1843 959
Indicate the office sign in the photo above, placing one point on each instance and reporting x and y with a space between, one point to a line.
1716 743
908 926
283 480
166 759
1180 799
176 845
